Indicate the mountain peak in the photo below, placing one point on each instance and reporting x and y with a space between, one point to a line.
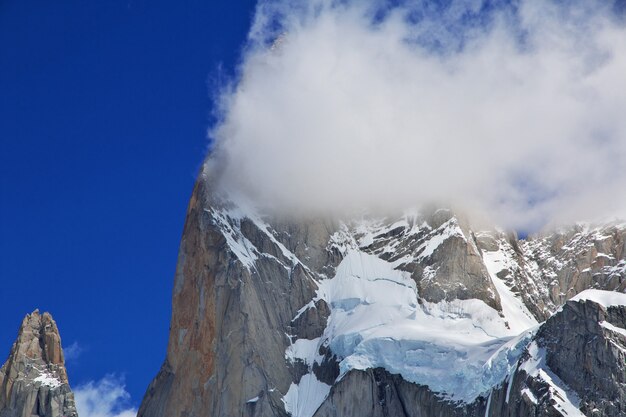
39 339
33 380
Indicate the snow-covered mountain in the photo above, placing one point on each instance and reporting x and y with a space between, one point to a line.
417 314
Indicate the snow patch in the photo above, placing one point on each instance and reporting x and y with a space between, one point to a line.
228 219
565 400
444 232
305 350
613 328
47 379
604 298
241 247
303 399
528 393
518 316
377 321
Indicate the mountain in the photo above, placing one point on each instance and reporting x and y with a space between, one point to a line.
417 314
33 380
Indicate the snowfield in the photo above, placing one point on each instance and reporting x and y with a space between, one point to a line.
460 349
604 298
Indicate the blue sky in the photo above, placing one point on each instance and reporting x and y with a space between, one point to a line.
104 108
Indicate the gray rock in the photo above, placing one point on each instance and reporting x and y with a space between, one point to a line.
231 323
578 358
548 269
572 259
33 380
454 270
245 290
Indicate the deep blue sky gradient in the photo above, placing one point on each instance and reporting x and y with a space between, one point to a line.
104 108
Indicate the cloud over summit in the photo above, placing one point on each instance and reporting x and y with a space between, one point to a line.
513 110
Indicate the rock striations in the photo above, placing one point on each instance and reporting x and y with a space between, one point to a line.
33 381
416 315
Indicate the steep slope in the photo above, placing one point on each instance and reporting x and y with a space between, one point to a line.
237 287
576 364
548 269
303 316
33 381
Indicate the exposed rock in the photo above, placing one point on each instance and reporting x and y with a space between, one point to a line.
231 319
548 269
246 294
33 381
312 322
439 251
519 272
576 365
576 258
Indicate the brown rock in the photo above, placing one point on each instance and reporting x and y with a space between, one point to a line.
33 381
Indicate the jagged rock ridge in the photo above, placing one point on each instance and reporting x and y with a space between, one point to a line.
276 317
33 381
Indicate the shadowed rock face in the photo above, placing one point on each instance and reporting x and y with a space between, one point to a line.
246 290
578 355
33 381
585 346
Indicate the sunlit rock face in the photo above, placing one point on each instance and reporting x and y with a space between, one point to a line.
414 314
33 380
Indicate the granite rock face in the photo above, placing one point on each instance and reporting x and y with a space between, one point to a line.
575 365
548 269
453 270
570 260
33 381
257 324
231 319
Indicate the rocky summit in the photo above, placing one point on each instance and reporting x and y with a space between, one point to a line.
33 380
414 314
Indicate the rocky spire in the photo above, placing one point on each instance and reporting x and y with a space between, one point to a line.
33 380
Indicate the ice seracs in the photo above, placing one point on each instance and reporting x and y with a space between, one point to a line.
460 349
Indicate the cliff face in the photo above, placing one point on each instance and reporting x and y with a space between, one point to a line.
33 381
548 269
575 365
230 320
416 315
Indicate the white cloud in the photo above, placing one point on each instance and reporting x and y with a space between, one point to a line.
104 398
517 112
72 352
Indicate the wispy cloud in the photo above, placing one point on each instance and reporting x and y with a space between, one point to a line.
73 351
104 398
511 109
